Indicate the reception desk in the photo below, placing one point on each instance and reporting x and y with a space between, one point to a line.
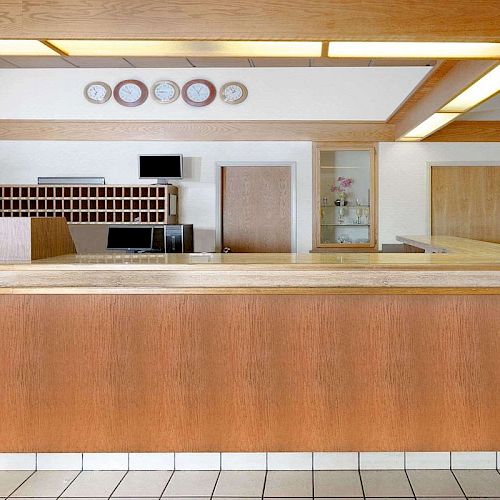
240 352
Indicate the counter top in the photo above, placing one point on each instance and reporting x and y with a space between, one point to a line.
465 265
452 245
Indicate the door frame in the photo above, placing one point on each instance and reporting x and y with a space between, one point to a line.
218 195
431 164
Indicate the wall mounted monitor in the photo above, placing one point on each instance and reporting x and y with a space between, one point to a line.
160 167
130 238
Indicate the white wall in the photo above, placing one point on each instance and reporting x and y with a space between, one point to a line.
403 181
24 161
366 93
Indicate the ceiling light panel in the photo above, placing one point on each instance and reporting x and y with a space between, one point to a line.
431 50
429 126
165 48
486 87
25 48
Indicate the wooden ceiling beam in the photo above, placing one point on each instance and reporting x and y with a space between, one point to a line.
468 131
454 81
254 130
376 20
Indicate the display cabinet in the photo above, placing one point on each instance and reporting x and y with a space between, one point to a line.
345 197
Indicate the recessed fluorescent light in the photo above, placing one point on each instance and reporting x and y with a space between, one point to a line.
25 48
165 48
439 50
429 126
484 88
409 139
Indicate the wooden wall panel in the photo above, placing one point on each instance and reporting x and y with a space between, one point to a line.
467 131
253 130
465 202
249 373
265 19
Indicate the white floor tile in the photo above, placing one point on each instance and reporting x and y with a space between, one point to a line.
289 461
46 484
12 479
474 460
288 484
243 461
386 484
240 484
59 461
335 461
434 483
428 460
191 483
337 483
381 460
143 484
479 483
94 484
17 461
197 461
105 461
151 461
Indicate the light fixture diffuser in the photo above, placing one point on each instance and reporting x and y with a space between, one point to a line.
165 48
486 87
415 50
25 48
429 126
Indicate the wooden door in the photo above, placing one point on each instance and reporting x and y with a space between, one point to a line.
465 202
256 209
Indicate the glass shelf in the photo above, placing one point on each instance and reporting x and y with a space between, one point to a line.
349 225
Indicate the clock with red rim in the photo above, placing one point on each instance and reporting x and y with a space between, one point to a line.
199 92
130 93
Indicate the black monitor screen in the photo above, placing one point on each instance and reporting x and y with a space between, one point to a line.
157 167
130 238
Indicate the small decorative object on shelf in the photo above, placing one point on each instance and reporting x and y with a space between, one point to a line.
342 187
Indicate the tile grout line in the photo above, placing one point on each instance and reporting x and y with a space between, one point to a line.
409 482
119 482
168 482
361 481
70 483
15 489
458 482
264 485
215 485
312 472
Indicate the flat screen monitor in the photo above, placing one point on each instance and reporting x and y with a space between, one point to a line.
130 238
161 167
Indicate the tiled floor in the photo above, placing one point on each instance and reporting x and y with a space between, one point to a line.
250 485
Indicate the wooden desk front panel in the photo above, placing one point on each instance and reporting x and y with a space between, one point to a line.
249 372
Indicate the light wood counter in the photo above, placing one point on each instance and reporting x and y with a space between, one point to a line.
471 265
453 245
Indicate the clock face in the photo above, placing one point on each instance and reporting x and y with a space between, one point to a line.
233 92
165 91
97 92
130 93
198 92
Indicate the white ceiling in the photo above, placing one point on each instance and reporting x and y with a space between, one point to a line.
489 110
196 62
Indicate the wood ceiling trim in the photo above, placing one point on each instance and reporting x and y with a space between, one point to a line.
446 88
83 130
468 131
428 83
426 20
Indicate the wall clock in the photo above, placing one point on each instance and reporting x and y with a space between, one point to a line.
97 92
165 91
233 92
198 92
130 93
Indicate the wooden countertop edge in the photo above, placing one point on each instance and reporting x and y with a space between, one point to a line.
254 291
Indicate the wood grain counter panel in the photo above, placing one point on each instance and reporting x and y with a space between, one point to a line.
249 373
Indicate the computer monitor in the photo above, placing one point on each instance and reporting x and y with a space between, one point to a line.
130 238
160 167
